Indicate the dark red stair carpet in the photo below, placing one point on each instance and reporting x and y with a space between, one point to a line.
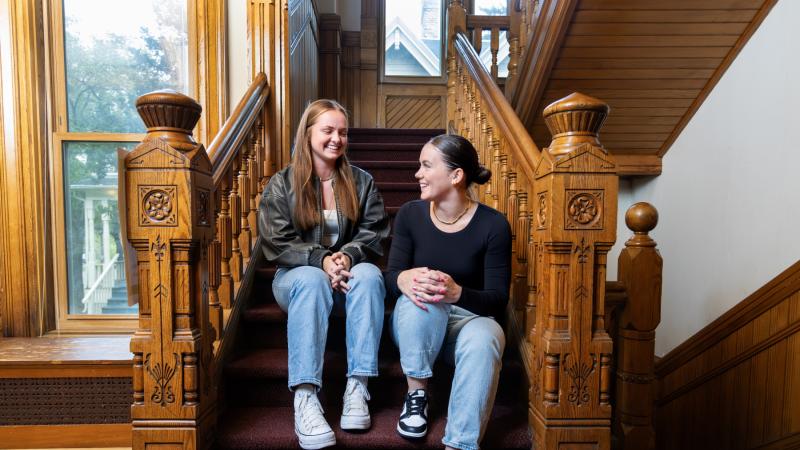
259 405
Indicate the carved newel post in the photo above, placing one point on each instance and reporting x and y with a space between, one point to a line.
574 228
640 267
168 190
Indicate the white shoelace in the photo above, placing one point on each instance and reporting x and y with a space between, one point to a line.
355 400
311 413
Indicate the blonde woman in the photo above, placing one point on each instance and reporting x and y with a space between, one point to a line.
322 222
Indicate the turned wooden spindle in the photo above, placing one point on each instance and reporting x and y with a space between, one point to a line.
640 267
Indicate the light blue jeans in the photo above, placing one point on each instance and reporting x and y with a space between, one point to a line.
305 294
473 344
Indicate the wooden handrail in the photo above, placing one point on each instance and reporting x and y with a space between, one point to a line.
486 22
525 150
221 151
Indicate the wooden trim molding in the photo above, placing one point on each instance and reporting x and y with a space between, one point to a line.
549 31
24 282
208 64
737 47
768 296
66 436
736 383
638 165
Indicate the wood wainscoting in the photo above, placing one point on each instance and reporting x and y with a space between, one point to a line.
412 106
736 383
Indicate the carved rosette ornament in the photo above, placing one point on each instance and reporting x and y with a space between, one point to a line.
576 184
169 188
157 205
584 210
541 215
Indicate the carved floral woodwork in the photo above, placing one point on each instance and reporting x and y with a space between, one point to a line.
169 181
576 185
562 205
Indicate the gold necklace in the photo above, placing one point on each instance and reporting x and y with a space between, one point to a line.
433 210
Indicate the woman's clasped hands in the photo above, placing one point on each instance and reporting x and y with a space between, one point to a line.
337 267
423 285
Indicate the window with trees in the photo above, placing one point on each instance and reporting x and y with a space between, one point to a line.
104 55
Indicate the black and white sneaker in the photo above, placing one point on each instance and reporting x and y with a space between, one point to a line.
413 421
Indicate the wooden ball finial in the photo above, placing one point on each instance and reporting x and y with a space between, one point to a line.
641 218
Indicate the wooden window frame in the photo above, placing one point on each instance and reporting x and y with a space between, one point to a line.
399 79
207 80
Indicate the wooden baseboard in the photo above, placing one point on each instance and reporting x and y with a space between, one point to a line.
66 436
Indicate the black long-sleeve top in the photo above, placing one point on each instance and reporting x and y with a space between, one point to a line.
477 257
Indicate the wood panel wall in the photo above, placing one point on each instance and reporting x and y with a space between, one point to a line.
412 106
303 58
351 75
373 103
736 383
330 53
24 248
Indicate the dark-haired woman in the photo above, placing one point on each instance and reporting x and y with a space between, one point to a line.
322 221
450 267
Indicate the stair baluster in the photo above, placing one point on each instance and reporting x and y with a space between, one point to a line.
640 267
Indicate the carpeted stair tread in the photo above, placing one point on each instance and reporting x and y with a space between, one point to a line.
268 363
273 428
263 314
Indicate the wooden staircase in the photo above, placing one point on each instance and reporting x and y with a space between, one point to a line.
259 412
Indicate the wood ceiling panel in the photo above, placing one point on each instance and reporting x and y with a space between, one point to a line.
646 52
631 84
650 41
610 94
637 63
638 103
610 143
657 29
680 16
630 137
652 61
669 4
630 74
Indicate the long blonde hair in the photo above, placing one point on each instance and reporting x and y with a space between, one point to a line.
306 213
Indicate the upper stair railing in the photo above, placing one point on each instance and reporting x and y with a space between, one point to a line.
561 203
476 24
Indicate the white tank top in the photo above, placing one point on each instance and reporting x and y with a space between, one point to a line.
330 229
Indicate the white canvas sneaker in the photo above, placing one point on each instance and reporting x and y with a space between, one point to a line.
310 425
355 412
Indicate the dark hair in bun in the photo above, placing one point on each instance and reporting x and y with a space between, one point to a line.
458 153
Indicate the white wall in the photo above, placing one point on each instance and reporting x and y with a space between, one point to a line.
625 200
237 51
729 195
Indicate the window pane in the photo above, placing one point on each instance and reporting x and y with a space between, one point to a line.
413 39
491 7
95 268
117 50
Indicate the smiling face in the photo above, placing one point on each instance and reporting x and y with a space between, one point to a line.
328 137
436 180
